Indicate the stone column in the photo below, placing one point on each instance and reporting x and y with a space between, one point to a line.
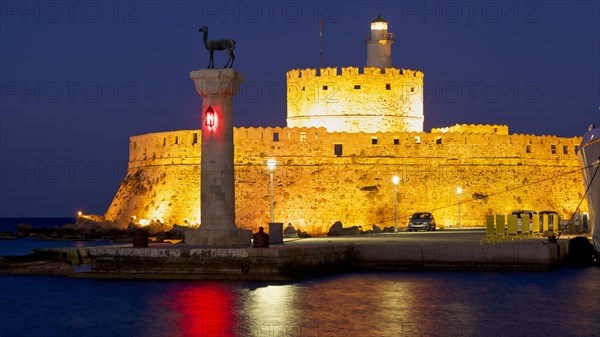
217 88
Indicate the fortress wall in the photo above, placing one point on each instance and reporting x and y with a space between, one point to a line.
314 187
392 100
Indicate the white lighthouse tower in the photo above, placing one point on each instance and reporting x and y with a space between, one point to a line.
379 44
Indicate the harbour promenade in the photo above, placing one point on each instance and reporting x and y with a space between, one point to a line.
297 258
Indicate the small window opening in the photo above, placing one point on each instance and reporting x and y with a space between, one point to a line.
553 149
528 149
337 150
356 86
417 139
275 136
396 141
438 141
324 87
388 87
374 140
302 136
195 140
565 149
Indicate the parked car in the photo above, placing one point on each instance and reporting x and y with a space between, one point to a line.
421 221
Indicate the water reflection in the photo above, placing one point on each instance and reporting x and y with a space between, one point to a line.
205 309
271 311
561 303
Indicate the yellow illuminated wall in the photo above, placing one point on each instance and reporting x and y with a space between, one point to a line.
314 187
356 100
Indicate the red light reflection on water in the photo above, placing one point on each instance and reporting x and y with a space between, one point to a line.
205 310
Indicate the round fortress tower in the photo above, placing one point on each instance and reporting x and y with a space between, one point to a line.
377 98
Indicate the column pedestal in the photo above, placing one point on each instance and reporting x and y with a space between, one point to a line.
217 88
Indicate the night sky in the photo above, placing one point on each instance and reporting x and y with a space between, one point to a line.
79 78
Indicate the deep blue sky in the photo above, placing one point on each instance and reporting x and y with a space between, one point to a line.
60 152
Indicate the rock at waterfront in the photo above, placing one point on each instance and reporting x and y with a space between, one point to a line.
290 232
24 229
389 229
376 229
91 227
178 231
156 227
132 227
337 229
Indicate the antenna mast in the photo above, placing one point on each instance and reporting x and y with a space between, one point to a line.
320 43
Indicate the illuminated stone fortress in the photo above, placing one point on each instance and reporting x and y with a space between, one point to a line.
348 134
378 98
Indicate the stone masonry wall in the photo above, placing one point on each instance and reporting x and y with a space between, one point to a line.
371 101
315 187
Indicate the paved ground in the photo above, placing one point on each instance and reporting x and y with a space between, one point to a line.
452 235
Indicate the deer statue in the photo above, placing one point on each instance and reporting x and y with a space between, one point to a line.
212 45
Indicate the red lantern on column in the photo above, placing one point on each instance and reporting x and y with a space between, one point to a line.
210 117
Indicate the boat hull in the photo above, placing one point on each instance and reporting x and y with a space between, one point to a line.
589 160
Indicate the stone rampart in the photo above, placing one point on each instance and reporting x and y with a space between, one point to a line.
322 177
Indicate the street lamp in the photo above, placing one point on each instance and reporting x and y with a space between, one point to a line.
271 164
395 181
458 192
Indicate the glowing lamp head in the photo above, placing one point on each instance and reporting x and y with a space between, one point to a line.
379 24
459 190
80 213
271 164
395 180
210 117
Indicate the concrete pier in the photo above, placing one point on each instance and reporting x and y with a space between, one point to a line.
297 258
274 263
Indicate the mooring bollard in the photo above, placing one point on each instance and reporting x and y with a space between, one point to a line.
140 238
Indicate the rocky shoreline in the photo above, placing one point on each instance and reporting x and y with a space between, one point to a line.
87 228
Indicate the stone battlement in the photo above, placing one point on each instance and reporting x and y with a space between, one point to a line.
310 73
471 128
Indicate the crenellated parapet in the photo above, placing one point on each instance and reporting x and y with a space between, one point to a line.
356 99
258 144
472 128
311 73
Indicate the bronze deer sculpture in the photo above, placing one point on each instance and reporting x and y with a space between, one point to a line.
212 45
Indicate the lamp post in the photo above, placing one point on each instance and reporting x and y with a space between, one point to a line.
458 192
271 164
395 181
